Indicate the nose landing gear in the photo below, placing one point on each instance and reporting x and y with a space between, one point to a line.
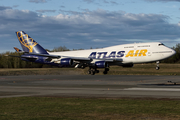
157 65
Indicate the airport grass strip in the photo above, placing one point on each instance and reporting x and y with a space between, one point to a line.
42 108
138 69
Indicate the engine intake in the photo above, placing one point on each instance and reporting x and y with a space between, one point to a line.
101 64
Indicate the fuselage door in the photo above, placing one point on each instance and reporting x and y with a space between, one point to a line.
149 53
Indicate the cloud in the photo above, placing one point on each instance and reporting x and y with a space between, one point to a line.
44 11
15 6
5 7
101 1
113 2
62 6
163 0
105 1
38 1
99 28
89 1
98 40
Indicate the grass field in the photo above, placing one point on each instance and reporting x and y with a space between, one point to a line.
138 69
52 108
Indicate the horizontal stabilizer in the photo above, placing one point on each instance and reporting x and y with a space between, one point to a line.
18 50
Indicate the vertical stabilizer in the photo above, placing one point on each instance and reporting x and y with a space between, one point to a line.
28 44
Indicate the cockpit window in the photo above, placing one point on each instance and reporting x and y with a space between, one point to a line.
161 44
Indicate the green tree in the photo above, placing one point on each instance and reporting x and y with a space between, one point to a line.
59 49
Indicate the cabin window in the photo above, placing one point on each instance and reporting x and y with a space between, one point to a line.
129 47
161 44
144 46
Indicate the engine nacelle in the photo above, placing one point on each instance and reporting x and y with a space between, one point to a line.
128 65
66 61
101 64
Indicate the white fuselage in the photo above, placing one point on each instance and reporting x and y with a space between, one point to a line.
126 53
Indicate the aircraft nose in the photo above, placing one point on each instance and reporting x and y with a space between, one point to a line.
170 52
173 52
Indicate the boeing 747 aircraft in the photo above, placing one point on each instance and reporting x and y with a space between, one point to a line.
122 55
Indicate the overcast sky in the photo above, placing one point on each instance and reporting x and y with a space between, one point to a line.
89 23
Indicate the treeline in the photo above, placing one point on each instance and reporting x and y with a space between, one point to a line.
16 62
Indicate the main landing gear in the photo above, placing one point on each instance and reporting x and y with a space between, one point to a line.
157 65
105 70
92 70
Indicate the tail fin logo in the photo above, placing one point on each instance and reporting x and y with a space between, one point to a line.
26 40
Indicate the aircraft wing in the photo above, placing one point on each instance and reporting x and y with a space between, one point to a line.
81 59
57 56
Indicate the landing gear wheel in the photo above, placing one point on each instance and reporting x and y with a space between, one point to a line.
157 65
92 72
157 68
105 72
97 71
89 71
106 69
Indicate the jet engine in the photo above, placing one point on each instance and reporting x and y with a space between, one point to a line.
101 64
66 61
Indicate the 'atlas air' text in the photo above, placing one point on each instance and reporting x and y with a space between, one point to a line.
114 54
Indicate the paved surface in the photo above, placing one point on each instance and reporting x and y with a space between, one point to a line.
90 86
